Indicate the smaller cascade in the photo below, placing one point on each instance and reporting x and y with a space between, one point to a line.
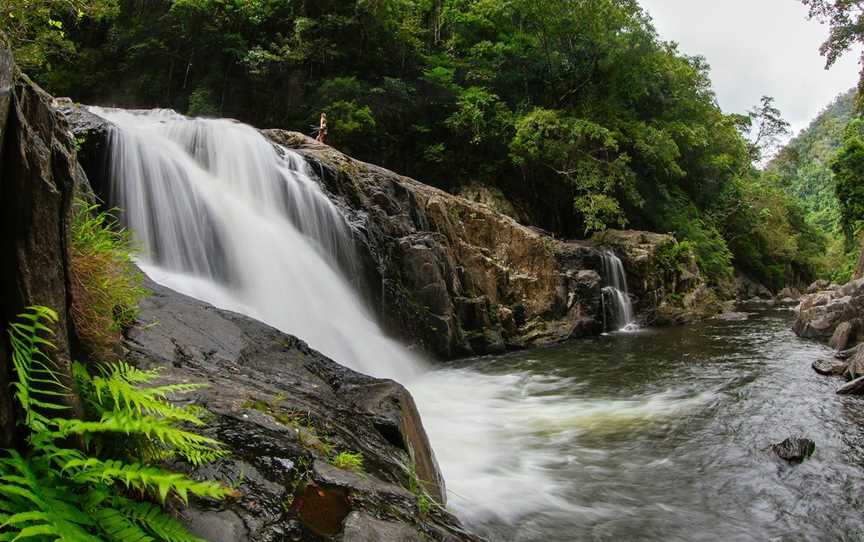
617 305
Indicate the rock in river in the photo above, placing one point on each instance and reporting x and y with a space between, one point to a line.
830 367
855 387
794 449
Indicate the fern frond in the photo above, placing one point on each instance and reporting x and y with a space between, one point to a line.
37 503
145 478
196 448
155 520
125 395
63 494
38 384
118 527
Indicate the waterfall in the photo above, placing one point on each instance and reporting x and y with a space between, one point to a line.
616 298
225 216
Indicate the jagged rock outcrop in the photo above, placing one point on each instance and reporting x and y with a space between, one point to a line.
38 178
833 314
454 275
283 409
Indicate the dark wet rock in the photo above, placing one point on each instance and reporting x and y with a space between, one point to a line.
91 139
221 525
360 527
794 449
39 178
830 367
283 409
855 387
846 354
855 364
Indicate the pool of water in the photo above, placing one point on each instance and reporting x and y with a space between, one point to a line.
657 435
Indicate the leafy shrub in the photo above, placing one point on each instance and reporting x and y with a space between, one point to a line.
56 492
106 285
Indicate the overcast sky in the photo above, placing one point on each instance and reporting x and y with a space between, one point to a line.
757 47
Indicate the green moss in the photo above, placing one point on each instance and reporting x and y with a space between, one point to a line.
352 461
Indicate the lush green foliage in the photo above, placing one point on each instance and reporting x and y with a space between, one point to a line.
804 170
574 109
58 492
803 167
106 285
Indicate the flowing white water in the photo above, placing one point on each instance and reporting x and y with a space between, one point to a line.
616 297
225 216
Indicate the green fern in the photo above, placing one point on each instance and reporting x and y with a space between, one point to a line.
54 492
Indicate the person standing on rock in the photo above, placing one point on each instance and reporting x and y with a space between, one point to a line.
322 128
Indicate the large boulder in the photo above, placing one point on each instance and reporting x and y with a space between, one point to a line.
832 314
854 387
285 410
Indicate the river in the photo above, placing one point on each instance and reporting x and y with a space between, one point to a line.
656 435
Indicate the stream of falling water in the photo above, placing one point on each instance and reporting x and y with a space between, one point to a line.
225 216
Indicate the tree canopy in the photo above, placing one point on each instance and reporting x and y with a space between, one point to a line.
575 110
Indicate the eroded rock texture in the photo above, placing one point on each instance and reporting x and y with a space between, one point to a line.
832 314
38 176
285 411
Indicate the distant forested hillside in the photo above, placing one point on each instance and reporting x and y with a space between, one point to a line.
804 170
576 110
803 167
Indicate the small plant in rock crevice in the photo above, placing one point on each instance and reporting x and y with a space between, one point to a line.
352 461
105 284
425 502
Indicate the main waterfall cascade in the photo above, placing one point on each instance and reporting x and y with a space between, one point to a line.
616 297
225 216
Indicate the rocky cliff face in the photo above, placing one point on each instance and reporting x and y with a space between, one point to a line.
471 280
456 277
663 277
38 177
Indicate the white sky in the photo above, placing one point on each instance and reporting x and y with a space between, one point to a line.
758 47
